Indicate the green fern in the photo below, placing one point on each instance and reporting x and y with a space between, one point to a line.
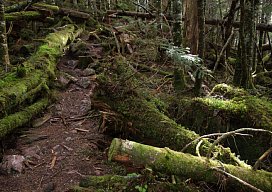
183 58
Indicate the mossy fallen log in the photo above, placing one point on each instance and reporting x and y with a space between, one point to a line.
37 71
24 15
119 88
196 168
20 91
40 10
8 123
19 6
130 182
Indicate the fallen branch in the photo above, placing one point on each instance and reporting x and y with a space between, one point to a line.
257 164
228 134
237 179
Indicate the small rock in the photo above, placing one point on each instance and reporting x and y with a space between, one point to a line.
86 105
68 139
49 187
88 72
72 64
84 82
12 163
63 81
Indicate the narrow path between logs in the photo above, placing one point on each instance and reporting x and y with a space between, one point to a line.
68 145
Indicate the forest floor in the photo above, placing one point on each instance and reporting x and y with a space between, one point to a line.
67 147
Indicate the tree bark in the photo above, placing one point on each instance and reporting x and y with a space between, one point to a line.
175 163
4 55
191 33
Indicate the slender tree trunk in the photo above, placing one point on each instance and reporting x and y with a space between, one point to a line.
177 28
190 32
229 23
159 15
247 31
179 80
201 43
4 55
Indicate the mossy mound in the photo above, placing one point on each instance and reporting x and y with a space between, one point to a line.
227 109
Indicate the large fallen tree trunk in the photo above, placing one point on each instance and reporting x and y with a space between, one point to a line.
37 11
30 81
119 88
114 13
129 183
197 168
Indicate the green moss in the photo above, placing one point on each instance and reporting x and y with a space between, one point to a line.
210 115
47 6
227 91
7 124
236 107
23 15
40 67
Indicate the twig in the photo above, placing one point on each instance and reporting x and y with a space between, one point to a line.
53 162
222 51
81 118
257 164
237 179
82 130
66 147
227 134
38 165
143 7
197 148
197 139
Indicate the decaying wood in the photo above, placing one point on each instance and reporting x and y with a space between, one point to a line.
197 168
145 112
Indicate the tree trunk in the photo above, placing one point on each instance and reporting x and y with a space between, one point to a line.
201 44
246 32
4 55
175 163
191 33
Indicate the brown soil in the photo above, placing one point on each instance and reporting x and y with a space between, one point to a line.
69 145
